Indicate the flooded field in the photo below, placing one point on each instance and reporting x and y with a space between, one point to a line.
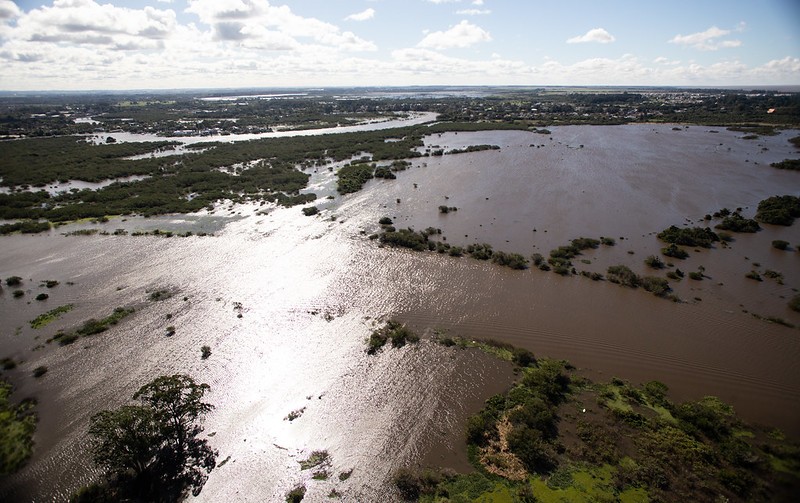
311 289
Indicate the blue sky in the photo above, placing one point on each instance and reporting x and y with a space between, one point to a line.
139 44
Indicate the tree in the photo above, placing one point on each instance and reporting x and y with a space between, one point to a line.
151 450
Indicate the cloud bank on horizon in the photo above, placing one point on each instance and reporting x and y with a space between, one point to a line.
152 44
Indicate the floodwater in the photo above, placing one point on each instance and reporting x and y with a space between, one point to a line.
312 288
413 119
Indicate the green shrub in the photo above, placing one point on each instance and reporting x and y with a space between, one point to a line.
18 293
385 221
39 371
779 210
689 236
654 262
737 223
655 285
622 275
310 211
13 281
296 495
753 275
205 352
673 251
780 244
42 296
696 275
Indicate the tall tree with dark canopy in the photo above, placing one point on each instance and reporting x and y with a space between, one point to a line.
151 451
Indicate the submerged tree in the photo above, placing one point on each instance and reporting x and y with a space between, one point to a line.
151 450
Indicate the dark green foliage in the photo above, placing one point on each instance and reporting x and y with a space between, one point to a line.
160 295
18 293
39 371
49 316
13 281
93 326
351 178
25 227
384 172
151 451
790 164
673 251
778 210
710 417
780 244
296 495
205 351
654 262
481 251
737 223
473 148
310 211
17 426
512 260
393 331
753 275
689 236
405 238
42 296
608 241
528 445
655 285
385 221
411 485
696 275
447 209
623 275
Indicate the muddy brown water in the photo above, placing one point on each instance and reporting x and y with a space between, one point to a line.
312 289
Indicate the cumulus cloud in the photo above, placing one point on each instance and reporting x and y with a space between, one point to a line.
251 20
361 16
598 35
464 34
708 40
473 12
8 10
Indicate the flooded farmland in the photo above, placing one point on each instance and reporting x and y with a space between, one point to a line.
310 290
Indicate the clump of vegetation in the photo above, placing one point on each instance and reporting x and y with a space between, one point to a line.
737 223
654 262
794 303
447 209
205 352
151 450
92 326
753 275
352 177
160 295
13 281
673 251
689 236
512 260
655 285
296 495
696 275
780 244
40 371
42 296
315 459
790 164
18 293
385 221
310 211
622 275
607 241
17 426
778 210
393 331
25 227
540 442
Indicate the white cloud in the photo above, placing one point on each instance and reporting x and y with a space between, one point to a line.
8 10
598 35
477 2
256 22
443 1
707 40
361 16
464 34
473 12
